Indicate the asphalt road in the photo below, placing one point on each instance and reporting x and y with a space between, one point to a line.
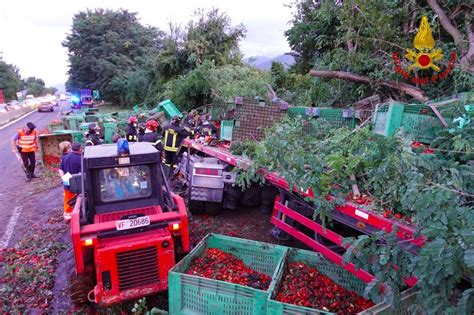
15 193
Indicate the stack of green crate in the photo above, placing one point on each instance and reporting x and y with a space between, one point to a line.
197 295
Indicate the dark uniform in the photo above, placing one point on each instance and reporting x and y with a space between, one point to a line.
207 129
154 138
141 132
173 136
92 138
131 133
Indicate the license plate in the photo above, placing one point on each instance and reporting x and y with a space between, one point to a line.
132 223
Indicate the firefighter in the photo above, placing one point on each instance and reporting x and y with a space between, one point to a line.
152 136
173 136
131 133
207 128
190 124
92 135
26 143
141 131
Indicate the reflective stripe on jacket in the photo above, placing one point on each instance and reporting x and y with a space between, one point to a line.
170 140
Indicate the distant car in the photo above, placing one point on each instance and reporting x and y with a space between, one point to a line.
14 105
28 97
45 107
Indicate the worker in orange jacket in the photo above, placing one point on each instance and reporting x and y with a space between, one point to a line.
26 143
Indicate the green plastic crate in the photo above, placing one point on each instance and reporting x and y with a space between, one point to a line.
417 121
227 127
196 295
49 147
55 125
110 129
333 271
332 117
77 136
296 111
407 299
170 109
338 275
72 122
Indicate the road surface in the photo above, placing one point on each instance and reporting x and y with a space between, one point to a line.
18 203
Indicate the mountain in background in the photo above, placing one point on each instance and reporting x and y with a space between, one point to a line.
265 63
61 88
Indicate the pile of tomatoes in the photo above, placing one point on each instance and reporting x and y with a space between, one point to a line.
51 160
305 286
219 265
421 147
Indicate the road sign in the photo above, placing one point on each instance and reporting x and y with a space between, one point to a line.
96 94
19 96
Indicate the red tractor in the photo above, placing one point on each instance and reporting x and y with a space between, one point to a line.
127 228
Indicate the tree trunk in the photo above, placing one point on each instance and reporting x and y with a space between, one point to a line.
448 26
348 76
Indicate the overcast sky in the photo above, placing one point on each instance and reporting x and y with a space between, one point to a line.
31 31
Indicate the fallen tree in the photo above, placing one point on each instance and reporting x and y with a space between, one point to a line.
348 76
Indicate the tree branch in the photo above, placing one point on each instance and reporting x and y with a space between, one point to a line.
348 76
468 59
448 26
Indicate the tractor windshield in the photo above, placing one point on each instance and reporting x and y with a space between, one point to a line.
122 183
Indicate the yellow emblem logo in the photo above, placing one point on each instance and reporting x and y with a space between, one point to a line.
423 57
425 54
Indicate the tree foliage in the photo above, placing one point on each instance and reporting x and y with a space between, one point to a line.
359 37
34 86
10 80
435 191
209 83
105 47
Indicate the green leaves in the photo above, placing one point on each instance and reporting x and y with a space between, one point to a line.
103 46
10 80
436 193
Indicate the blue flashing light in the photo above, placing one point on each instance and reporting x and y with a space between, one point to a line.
75 99
122 147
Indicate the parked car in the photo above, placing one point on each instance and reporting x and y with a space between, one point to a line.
4 108
45 107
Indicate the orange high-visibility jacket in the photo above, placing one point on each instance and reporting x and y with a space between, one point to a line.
27 142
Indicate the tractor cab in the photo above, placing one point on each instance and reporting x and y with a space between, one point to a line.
127 228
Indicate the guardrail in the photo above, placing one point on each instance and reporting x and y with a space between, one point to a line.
14 113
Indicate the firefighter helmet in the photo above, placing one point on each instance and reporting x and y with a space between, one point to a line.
152 125
132 120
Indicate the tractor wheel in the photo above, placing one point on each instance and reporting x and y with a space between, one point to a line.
252 196
232 197
213 208
79 285
196 206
